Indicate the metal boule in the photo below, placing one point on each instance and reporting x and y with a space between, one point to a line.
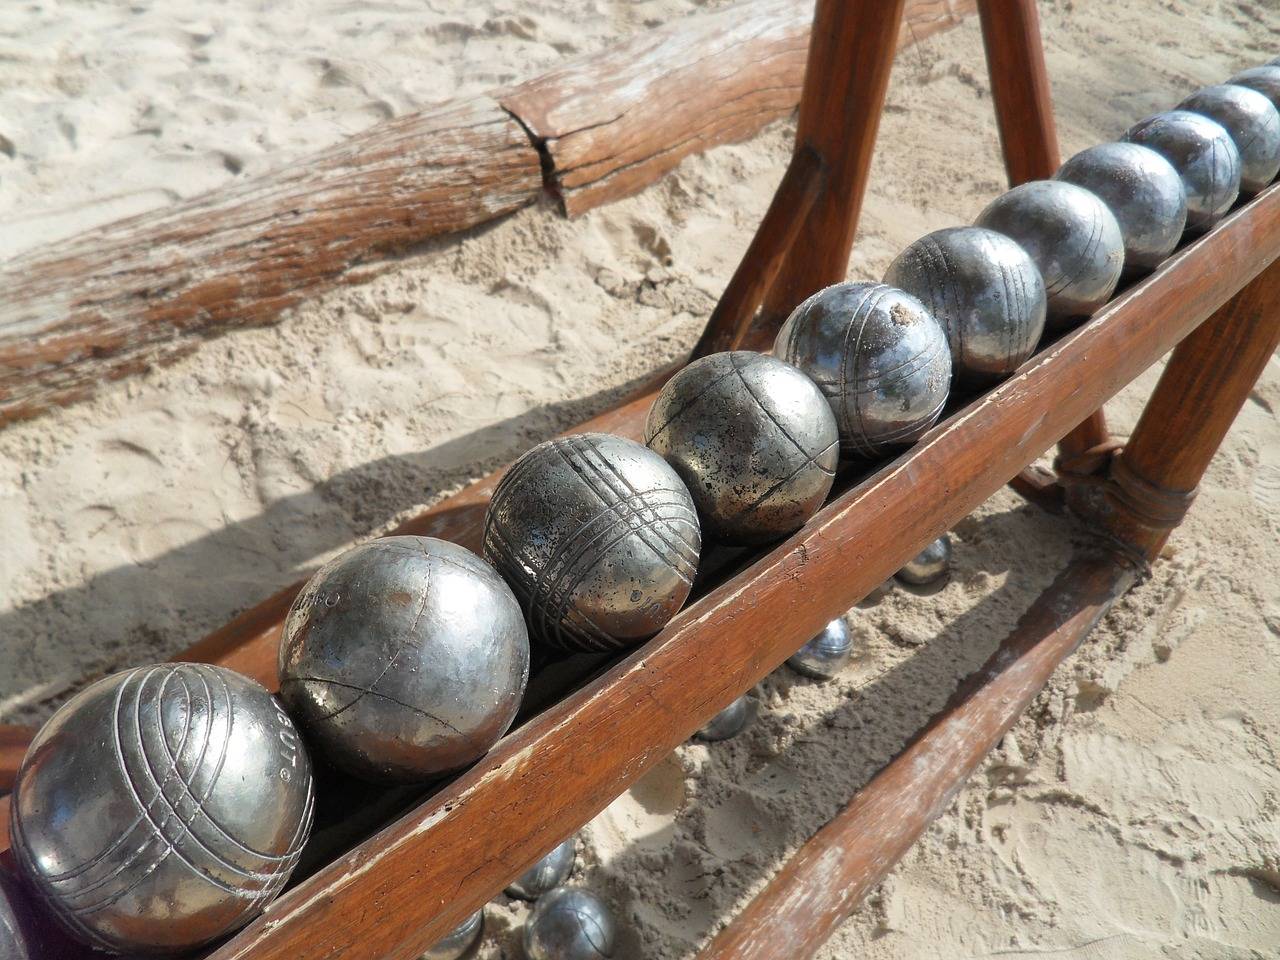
459 940
547 874
1253 123
985 291
162 807
752 438
1266 80
404 658
823 657
1204 155
1073 238
729 722
929 565
1144 192
598 537
569 924
878 356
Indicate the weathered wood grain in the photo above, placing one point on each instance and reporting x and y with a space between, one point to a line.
118 299
614 122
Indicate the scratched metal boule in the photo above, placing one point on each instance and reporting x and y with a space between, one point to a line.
878 356
1265 79
598 537
823 657
459 940
569 924
1254 125
404 658
162 808
930 565
753 439
729 722
547 874
1204 155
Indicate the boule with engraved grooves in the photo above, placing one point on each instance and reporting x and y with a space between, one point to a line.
162 807
598 536
878 356
1143 191
404 658
729 722
985 291
459 940
1073 238
547 874
823 657
1204 155
569 924
930 565
752 438
1254 125
1265 79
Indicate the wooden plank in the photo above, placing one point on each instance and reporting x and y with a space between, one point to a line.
402 889
817 889
614 122
118 299
13 747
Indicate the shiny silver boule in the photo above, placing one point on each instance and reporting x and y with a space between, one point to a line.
1254 125
823 657
985 291
569 924
162 807
459 940
598 537
929 565
1142 190
1073 238
1204 155
404 658
547 874
752 438
729 722
1266 80
879 358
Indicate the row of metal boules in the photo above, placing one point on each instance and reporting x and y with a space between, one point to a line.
163 807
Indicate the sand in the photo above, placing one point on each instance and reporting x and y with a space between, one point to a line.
1130 814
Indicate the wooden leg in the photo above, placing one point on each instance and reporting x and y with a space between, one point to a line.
1207 380
850 54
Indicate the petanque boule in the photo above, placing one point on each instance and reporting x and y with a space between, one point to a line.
162 808
404 658
1144 192
598 536
1266 80
878 356
752 438
569 924
1204 155
547 874
1073 238
823 657
459 940
985 291
729 722
929 565
1253 123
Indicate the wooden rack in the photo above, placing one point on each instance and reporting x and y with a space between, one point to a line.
406 867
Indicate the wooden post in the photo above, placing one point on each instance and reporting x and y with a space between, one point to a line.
13 747
1206 382
817 888
850 54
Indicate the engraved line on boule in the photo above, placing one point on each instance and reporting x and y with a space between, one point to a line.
706 388
767 412
764 497
380 695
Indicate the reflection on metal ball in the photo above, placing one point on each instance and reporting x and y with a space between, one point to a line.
879 358
729 722
752 438
404 658
162 807
459 940
598 537
1253 123
1266 80
1142 190
14 944
930 564
985 291
547 874
1073 239
569 924
826 654
1204 155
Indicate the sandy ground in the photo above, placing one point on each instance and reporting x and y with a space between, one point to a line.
1130 814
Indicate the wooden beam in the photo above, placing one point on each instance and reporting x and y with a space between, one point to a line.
120 298
13 747
817 889
614 122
